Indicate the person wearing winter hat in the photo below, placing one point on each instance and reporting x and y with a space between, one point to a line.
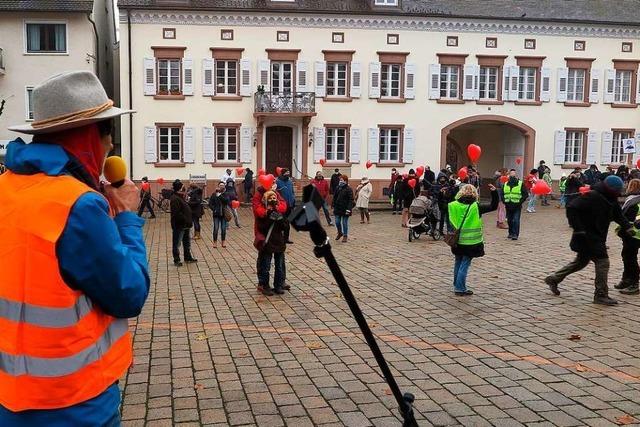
590 215
181 222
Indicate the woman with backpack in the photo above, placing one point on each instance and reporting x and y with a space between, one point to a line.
342 206
218 202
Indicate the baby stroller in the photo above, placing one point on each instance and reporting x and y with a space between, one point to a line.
423 217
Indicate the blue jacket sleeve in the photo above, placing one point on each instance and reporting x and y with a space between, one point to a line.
105 257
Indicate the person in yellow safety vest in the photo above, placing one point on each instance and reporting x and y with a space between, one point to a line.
513 195
465 215
630 245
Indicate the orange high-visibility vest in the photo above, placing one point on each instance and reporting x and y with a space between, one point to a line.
57 348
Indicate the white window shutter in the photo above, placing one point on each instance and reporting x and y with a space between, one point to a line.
408 147
410 81
609 90
208 152
189 153
559 143
594 89
373 147
563 77
321 79
375 68
592 147
149 76
245 77
636 155
355 140
506 80
476 82
356 80
545 88
434 81
468 90
187 76
246 135
207 77
514 72
263 73
302 68
318 144
150 145
605 150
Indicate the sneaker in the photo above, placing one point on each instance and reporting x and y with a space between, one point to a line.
278 291
339 236
177 263
553 285
266 291
623 284
190 260
514 238
604 300
631 290
464 294
344 239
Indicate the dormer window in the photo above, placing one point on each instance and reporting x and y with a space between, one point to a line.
386 2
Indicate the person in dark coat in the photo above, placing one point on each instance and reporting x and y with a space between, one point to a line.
395 192
443 192
342 207
541 168
408 194
271 228
232 194
181 222
194 198
592 175
248 185
623 173
335 180
217 203
574 182
512 204
429 176
284 186
630 245
590 215
145 198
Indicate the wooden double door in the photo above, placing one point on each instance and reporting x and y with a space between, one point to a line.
279 148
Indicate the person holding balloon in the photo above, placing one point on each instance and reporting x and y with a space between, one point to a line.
232 195
529 182
145 198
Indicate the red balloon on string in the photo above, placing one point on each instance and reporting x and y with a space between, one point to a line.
278 170
239 171
584 189
419 171
518 160
474 152
267 181
463 173
369 164
160 181
504 179
540 188
638 163
261 171
322 162
235 204
412 183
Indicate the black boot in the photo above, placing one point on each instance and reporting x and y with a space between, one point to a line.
624 283
631 290
604 300
553 285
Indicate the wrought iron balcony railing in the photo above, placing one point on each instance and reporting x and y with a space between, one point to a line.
296 102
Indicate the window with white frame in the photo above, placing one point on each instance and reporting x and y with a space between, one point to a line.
527 84
29 103
45 37
170 143
281 77
489 83
575 84
617 147
622 91
169 77
337 78
226 144
386 2
390 79
574 146
226 77
390 144
336 144
449 81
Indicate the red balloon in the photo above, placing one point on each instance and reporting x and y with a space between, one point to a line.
235 204
463 173
160 181
278 170
638 163
584 189
504 179
474 152
322 162
519 160
540 188
261 171
412 183
267 181
369 164
239 171
419 171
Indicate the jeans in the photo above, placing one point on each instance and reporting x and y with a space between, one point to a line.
563 200
181 235
145 203
460 270
513 219
219 223
580 262
263 265
196 223
631 272
235 217
545 200
532 202
342 224
325 208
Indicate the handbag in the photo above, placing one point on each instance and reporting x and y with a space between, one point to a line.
452 238
228 215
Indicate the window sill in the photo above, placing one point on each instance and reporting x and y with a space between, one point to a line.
390 165
624 105
46 53
225 164
488 102
528 102
169 165
577 104
451 101
392 100
337 164
169 97
337 99
226 98
572 166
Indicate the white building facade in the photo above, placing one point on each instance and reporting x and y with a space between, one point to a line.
382 85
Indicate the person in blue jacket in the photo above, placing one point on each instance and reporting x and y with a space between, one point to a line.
285 188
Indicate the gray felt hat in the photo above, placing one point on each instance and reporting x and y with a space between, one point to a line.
69 100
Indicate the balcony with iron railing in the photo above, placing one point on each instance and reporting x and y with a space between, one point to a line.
1 61
296 104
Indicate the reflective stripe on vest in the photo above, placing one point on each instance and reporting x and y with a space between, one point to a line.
45 316
512 194
471 232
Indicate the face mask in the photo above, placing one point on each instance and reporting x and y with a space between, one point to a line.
342 183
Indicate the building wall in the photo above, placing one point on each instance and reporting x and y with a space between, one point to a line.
426 117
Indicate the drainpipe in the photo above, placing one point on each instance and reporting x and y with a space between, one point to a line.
95 32
130 96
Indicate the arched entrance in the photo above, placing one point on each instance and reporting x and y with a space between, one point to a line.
501 138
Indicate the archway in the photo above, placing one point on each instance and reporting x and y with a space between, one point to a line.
502 139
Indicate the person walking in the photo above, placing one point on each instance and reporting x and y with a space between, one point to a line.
71 277
145 198
232 194
590 215
630 245
248 185
284 186
546 178
218 202
563 191
529 182
181 222
271 244
342 207
322 187
513 195
335 180
194 198
465 215
363 194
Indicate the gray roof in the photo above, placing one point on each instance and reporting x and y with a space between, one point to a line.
626 12
46 5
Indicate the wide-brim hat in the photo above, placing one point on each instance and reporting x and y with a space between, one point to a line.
69 100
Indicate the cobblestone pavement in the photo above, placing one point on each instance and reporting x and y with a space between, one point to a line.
210 350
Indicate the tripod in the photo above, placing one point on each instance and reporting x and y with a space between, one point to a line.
305 218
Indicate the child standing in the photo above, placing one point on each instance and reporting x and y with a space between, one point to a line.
563 188
546 178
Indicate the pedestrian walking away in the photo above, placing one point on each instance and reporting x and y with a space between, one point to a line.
631 273
342 208
589 216
363 194
181 223
218 202
194 198
513 195
145 198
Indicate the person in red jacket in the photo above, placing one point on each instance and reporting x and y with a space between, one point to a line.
322 186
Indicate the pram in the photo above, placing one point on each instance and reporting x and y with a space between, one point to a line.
423 218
